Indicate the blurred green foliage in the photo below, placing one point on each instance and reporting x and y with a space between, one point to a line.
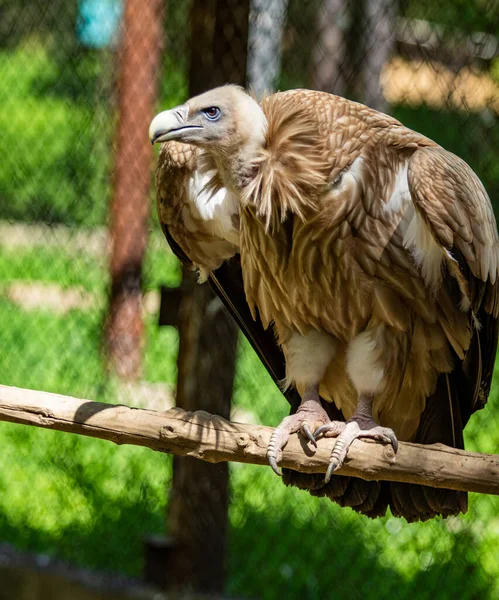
466 16
57 133
54 161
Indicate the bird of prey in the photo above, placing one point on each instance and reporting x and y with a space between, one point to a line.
371 250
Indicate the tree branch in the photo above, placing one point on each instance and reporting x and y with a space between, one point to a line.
213 439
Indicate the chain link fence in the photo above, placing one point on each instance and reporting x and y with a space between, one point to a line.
434 66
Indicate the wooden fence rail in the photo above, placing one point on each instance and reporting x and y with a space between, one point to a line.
214 439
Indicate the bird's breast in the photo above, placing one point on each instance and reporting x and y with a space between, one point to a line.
316 284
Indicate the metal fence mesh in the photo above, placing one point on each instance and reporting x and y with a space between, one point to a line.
434 66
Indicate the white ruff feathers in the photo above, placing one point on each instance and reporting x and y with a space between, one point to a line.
217 208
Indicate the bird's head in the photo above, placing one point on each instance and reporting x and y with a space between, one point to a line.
225 121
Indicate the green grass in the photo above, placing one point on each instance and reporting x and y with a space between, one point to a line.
92 502
81 499
74 268
57 120
68 495
54 148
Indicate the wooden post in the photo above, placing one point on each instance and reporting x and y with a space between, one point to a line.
197 515
197 519
139 62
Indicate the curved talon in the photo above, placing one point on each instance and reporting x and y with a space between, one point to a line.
309 414
273 451
334 426
329 472
392 439
320 430
273 464
307 432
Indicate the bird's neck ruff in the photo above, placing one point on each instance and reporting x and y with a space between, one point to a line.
286 175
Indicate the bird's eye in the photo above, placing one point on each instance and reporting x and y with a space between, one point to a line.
336 183
212 113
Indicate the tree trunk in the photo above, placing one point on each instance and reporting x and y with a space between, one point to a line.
354 42
380 19
267 20
331 64
197 517
198 508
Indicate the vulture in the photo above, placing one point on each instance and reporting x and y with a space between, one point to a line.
368 251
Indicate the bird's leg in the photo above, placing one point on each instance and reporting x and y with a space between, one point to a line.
307 418
360 425
307 358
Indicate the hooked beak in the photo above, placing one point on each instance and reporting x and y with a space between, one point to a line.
169 125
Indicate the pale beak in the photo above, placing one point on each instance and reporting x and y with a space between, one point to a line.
170 124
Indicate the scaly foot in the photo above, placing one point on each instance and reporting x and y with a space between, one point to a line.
307 418
359 426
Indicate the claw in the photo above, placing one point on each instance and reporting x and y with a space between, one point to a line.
392 439
335 427
308 415
307 432
352 432
275 468
330 469
319 430
273 451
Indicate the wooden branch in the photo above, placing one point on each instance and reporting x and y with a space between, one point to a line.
213 439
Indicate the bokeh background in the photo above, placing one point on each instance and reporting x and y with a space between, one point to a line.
82 264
